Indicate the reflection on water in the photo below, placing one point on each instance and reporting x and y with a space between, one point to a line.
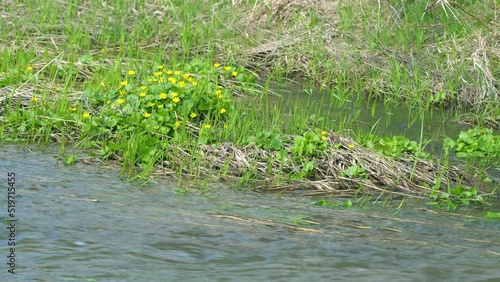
82 223
365 116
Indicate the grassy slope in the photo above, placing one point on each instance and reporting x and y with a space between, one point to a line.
397 51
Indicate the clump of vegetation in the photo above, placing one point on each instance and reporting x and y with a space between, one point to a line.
458 196
169 100
395 146
478 142
266 139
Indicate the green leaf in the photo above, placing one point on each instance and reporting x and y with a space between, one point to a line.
69 159
347 203
276 144
87 58
495 215
308 167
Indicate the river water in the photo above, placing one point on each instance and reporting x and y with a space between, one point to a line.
82 223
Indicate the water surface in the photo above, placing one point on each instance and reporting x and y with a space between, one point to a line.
82 223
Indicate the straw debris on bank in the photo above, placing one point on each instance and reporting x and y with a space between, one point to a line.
406 176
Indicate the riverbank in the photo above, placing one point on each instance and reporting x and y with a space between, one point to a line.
173 88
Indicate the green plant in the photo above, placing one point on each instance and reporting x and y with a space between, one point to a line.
267 140
457 196
395 146
311 144
324 203
164 101
478 142
355 171
495 215
69 159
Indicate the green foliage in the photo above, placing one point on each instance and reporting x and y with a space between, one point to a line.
165 100
267 140
495 215
311 144
355 171
395 146
475 143
136 117
457 196
69 159
324 203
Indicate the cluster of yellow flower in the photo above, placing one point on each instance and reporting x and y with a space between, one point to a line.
177 79
174 77
323 135
227 69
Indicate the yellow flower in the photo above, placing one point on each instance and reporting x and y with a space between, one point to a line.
160 79
194 83
172 80
222 110
177 73
146 114
131 72
160 106
86 115
150 80
216 65
73 109
323 132
176 99
122 92
207 126
159 67
323 138
169 72
192 115
103 84
124 83
142 94
143 87
157 73
177 124
163 96
227 68
219 86
186 76
181 84
120 101
34 99
234 73
29 68
174 94
151 104
350 146
108 102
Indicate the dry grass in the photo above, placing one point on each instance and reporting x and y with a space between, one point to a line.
327 51
385 175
